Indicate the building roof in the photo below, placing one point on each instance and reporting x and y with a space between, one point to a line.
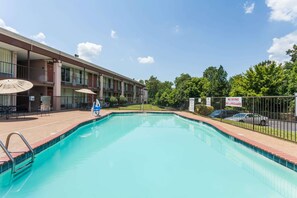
27 44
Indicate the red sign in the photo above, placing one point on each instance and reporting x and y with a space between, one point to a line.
234 101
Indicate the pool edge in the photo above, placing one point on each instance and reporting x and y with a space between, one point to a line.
268 152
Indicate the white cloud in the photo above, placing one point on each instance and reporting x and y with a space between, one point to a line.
277 51
3 25
283 10
40 37
248 7
146 60
88 51
113 34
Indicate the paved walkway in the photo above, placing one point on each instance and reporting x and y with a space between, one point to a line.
36 128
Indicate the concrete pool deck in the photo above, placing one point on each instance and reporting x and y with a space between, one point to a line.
38 129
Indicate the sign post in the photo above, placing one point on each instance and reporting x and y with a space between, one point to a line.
191 104
208 101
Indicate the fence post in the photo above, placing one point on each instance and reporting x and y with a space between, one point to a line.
253 113
221 104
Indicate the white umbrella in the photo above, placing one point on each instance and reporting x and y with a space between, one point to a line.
10 86
86 91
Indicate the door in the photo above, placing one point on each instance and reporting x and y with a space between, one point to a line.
115 86
50 73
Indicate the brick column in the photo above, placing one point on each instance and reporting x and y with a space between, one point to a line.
57 86
134 93
101 87
123 88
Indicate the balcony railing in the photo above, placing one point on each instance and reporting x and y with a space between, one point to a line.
80 82
10 70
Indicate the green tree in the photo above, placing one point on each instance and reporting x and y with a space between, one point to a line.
179 81
291 80
141 81
152 85
238 86
196 87
217 78
263 79
293 53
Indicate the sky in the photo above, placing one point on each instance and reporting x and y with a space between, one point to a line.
164 38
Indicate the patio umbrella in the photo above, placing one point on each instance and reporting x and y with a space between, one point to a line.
10 86
86 91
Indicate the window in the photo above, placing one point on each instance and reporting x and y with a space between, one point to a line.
6 66
65 74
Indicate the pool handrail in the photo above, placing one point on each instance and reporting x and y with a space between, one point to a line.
9 156
13 169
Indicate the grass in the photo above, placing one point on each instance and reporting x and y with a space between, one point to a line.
287 135
146 107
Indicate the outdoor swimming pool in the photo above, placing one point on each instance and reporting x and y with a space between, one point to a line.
150 155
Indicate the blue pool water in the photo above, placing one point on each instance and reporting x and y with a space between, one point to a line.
150 156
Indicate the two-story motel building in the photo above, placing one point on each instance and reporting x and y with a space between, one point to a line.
57 74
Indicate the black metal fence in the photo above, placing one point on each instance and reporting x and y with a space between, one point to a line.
12 105
271 115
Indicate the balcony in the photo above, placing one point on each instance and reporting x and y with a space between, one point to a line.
117 91
37 74
108 89
74 82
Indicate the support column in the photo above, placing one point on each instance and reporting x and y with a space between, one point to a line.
29 64
14 73
101 87
134 93
14 64
57 86
84 77
123 88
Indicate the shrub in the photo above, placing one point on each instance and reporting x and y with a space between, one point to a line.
107 99
123 100
113 100
203 109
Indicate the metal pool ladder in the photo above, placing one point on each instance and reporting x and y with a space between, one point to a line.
15 171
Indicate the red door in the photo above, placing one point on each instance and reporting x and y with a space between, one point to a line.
115 86
50 73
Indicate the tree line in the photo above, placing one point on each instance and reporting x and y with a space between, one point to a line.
267 78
